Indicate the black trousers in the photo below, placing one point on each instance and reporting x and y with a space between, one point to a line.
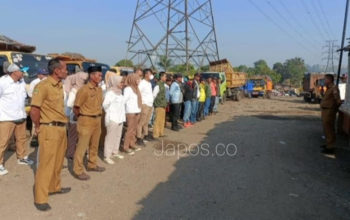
200 113
175 114
212 103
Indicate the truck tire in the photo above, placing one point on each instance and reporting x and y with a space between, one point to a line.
238 96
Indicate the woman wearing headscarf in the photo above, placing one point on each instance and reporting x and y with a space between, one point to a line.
71 86
133 105
114 106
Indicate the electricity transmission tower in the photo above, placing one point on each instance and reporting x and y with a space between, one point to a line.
180 31
331 55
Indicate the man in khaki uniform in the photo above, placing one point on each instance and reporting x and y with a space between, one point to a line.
88 110
329 105
47 114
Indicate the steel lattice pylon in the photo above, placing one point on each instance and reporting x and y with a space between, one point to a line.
180 30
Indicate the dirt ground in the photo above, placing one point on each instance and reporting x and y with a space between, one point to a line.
255 159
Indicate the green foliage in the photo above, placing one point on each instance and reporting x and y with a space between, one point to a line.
181 68
164 63
204 68
125 62
294 70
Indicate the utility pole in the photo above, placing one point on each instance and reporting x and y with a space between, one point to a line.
343 40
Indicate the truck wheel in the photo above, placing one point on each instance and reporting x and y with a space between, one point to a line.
238 96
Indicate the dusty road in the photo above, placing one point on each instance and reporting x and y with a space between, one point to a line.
256 159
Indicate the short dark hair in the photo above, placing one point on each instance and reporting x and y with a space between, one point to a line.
161 74
54 64
112 70
145 71
330 77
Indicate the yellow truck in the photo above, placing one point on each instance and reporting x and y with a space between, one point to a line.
120 69
234 81
262 86
77 62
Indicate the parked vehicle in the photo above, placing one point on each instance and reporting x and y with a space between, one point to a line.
263 86
314 87
235 81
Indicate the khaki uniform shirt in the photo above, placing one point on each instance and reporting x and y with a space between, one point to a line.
48 96
89 100
331 99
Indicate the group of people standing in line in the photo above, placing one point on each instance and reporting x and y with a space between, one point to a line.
69 114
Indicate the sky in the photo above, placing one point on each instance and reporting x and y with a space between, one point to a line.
247 30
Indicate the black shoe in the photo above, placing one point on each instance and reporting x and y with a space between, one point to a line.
42 207
140 142
328 151
62 191
175 129
149 138
34 143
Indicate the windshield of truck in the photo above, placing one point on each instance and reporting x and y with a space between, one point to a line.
33 61
73 68
258 82
105 67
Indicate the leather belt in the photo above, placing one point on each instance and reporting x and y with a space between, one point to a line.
91 116
54 123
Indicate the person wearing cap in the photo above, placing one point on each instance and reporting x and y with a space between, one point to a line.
47 113
13 115
145 88
42 74
88 110
176 99
160 103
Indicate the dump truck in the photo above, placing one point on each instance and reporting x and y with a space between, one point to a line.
235 81
313 87
262 86
77 62
120 69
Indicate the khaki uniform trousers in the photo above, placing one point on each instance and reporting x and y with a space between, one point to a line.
52 148
6 131
142 127
159 122
89 131
328 121
132 121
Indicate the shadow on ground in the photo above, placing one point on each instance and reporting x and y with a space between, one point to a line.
277 173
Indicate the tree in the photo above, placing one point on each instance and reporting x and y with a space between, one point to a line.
181 68
294 70
203 68
278 68
164 63
125 62
261 68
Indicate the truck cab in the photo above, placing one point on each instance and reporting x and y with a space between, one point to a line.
217 75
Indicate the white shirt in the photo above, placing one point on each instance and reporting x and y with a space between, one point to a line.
32 86
155 91
131 104
145 88
12 99
113 105
342 90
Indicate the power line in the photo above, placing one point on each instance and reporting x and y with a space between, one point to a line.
320 18
289 23
297 22
277 25
325 16
308 12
